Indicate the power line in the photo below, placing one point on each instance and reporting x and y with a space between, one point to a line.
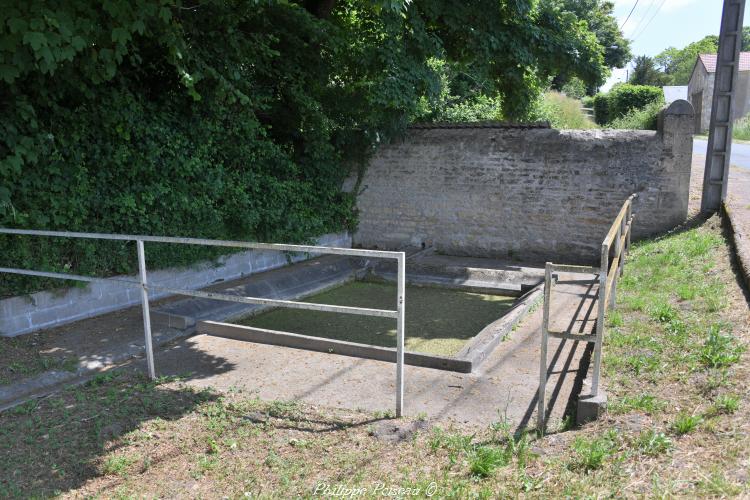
649 21
643 17
629 14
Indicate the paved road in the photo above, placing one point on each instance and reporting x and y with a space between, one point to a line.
740 152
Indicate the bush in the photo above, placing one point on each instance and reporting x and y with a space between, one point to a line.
645 118
575 88
562 112
624 98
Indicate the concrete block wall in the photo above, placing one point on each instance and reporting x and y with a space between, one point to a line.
528 194
40 310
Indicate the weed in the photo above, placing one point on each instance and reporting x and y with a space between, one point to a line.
719 350
726 404
280 409
615 319
686 291
653 443
117 464
484 460
717 485
643 363
205 464
685 424
643 402
662 312
102 379
380 414
592 453
212 446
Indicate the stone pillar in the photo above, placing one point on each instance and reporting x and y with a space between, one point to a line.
675 126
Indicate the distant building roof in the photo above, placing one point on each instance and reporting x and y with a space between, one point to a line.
709 61
674 92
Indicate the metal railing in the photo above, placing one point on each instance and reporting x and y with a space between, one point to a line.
608 272
144 286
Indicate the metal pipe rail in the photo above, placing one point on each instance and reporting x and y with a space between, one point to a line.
607 274
399 314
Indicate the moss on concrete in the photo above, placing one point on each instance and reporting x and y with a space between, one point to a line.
438 320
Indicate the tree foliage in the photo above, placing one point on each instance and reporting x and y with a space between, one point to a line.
645 72
598 15
677 64
240 118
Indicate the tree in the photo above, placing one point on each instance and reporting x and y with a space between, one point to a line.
599 18
678 64
645 72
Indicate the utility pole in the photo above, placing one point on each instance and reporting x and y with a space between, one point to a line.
718 154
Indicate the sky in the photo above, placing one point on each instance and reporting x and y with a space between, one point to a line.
655 25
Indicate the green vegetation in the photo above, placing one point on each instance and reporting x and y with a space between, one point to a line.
676 65
624 98
563 112
241 119
438 320
644 118
741 129
645 72
590 454
685 423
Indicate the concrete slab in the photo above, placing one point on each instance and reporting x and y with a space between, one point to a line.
505 387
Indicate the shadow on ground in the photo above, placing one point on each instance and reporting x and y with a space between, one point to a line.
56 443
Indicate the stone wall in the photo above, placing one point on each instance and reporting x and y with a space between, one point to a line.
529 194
48 309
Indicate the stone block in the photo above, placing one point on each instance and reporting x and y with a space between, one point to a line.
591 407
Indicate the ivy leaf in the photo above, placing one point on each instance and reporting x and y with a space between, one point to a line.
8 73
120 35
139 27
17 25
35 39
78 43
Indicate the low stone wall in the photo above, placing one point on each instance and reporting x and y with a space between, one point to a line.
528 194
28 313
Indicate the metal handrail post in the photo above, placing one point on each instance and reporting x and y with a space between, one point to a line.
400 327
600 318
146 311
542 394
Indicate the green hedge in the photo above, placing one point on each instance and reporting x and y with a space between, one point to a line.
130 119
622 99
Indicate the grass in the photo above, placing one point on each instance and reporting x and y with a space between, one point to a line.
741 129
563 112
644 118
675 426
685 423
438 320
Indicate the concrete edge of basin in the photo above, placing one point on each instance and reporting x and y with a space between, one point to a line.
340 347
482 345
